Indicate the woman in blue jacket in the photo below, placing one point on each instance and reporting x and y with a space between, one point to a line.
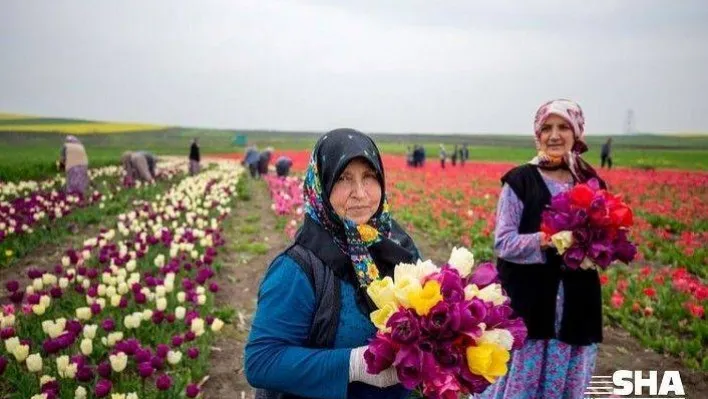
312 325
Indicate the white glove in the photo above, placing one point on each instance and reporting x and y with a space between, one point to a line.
357 371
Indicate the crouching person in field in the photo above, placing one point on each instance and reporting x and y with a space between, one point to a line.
311 326
140 165
282 166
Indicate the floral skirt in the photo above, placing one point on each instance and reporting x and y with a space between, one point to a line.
546 369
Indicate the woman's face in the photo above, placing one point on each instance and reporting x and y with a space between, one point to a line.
556 137
356 193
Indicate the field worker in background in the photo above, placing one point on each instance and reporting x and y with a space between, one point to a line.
464 154
409 157
297 346
453 157
562 308
139 165
606 154
264 161
443 156
74 161
283 165
250 161
194 158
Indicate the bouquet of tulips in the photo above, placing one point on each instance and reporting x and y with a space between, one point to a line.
447 330
589 227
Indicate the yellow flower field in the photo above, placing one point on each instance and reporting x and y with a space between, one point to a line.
82 128
5 116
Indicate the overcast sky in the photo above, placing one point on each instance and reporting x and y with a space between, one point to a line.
376 65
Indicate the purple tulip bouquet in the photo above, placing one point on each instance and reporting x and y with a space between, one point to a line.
446 330
589 227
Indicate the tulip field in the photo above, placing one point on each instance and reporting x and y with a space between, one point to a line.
153 286
129 313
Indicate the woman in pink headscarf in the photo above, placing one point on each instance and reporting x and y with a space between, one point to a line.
562 308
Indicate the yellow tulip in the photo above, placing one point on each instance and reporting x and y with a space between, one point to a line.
488 360
382 292
380 316
404 288
562 241
424 300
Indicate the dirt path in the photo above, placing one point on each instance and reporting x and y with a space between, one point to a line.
48 255
252 243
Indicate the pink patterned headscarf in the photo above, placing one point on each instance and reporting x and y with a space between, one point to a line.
573 114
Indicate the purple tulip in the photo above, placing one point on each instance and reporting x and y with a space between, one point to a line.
108 325
33 299
193 352
162 350
7 332
379 355
574 256
17 296
74 326
190 336
158 363
214 287
163 382
103 388
472 382
158 317
451 286
447 356
84 374
95 308
443 320
624 250
177 341
582 236
502 317
104 369
409 366
404 327
12 285
472 313
51 346
34 273
143 355
601 254
483 275
145 369
55 292
192 390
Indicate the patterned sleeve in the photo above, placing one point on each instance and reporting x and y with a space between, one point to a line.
508 243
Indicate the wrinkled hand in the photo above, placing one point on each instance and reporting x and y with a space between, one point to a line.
545 240
357 371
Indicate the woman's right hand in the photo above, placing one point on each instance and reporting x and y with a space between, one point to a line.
545 240
357 371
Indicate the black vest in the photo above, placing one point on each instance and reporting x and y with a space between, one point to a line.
533 287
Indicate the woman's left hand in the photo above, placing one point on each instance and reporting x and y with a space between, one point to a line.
358 373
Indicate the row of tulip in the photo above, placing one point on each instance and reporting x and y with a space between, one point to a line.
130 313
22 214
287 196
